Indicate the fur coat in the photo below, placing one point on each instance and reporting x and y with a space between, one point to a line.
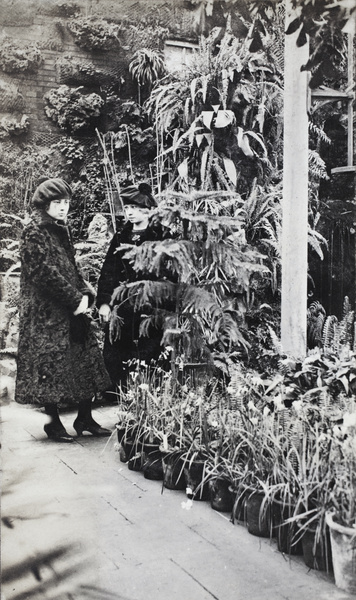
59 360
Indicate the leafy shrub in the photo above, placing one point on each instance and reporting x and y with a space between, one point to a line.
71 109
82 165
11 100
73 151
79 72
145 35
14 126
65 9
19 59
94 34
120 112
21 165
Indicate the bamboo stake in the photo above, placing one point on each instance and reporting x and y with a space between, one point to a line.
110 176
129 150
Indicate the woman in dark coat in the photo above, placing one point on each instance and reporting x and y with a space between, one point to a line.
59 360
129 345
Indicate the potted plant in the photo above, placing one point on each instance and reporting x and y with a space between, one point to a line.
312 484
258 451
224 467
341 518
137 418
200 442
222 477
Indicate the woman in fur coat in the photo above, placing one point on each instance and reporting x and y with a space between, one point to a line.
59 360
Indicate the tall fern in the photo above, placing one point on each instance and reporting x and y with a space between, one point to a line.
195 283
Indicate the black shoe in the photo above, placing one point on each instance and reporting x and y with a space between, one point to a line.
58 433
92 427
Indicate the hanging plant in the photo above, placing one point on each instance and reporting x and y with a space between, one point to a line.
64 9
11 100
146 35
14 126
71 109
19 59
94 34
78 72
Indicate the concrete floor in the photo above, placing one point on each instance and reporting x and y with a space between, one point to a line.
115 535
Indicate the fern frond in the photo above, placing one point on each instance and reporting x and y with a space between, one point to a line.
330 333
319 132
346 307
317 166
276 342
316 240
179 254
144 292
115 325
315 322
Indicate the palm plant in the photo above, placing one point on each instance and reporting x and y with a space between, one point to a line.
146 67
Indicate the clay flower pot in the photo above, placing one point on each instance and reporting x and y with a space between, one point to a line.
221 498
343 550
258 516
173 472
286 533
195 475
152 462
316 552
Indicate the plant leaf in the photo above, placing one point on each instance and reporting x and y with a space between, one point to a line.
230 169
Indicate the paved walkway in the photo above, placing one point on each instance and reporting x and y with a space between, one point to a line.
112 534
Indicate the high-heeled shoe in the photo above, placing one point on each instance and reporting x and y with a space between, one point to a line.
57 433
91 427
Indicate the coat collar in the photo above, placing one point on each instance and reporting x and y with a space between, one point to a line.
42 218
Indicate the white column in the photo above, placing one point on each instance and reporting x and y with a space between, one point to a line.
295 196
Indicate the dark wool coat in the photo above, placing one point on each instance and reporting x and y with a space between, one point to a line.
116 270
59 359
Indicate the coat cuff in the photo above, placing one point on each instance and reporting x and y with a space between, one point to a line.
103 299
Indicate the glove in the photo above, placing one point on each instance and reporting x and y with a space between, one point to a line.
104 313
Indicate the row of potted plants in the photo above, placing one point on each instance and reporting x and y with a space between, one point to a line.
279 453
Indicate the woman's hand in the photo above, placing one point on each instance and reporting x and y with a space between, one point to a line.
104 313
83 306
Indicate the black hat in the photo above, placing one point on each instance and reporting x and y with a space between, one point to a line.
49 190
139 196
